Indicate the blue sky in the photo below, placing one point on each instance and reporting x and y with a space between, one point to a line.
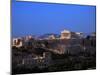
33 18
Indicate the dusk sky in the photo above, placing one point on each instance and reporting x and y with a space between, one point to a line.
33 18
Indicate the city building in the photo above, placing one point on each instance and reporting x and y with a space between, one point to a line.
39 61
17 42
79 34
65 34
27 38
52 37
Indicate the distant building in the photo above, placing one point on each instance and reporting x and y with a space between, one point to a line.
79 34
65 34
93 35
17 42
52 37
27 38
22 41
29 42
39 61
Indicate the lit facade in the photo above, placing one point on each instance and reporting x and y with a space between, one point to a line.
65 34
52 37
17 42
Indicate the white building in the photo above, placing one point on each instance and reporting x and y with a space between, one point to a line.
52 37
65 34
17 42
